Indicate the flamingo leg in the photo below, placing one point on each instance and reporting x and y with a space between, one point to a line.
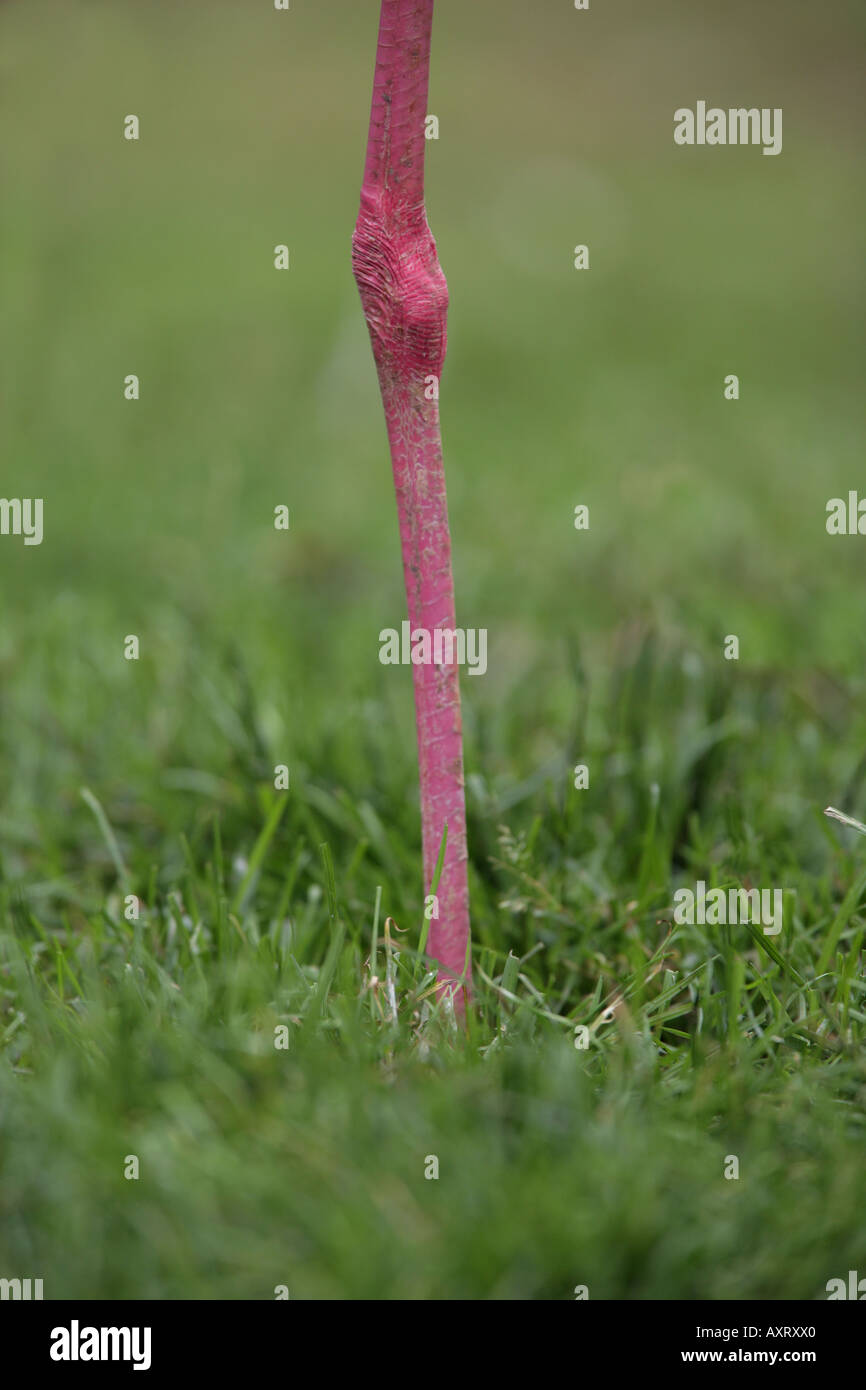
405 301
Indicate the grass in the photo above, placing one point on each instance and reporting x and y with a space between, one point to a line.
304 1164
260 910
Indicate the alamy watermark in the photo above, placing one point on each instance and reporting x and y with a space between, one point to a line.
855 1288
22 516
846 517
439 646
76 1343
718 907
20 1289
737 126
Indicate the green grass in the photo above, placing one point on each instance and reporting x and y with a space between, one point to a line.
304 1166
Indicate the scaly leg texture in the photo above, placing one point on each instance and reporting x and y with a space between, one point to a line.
405 302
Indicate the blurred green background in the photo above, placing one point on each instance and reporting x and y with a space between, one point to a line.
257 386
602 387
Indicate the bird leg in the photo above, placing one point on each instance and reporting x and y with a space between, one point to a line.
405 301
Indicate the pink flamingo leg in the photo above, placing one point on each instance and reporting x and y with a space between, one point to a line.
405 302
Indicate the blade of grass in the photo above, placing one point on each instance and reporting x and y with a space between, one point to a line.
840 921
260 849
107 834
